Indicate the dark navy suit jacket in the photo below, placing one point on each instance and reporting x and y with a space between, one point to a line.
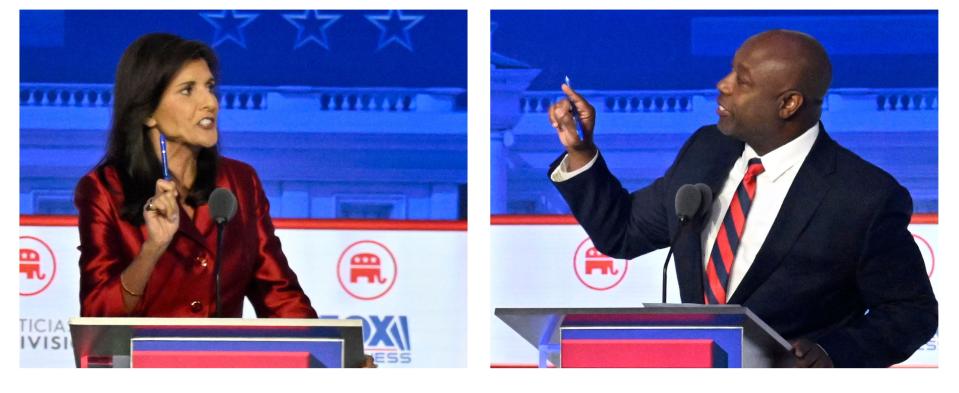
838 266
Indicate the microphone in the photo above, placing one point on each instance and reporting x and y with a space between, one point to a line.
688 201
222 205
707 199
692 201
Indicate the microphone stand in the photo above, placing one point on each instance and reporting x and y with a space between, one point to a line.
216 268
682 224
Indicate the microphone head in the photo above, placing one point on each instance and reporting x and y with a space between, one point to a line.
222 205
688 201
707 199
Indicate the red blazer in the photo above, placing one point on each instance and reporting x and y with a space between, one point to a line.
182 283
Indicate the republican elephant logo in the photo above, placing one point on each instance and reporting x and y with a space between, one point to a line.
38 266
30 264
366 265
928 256
596 270
595 260
367 270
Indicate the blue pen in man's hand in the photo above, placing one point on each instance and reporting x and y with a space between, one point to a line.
166 170
572 108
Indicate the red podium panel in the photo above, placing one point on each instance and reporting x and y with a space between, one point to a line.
629 353
220 359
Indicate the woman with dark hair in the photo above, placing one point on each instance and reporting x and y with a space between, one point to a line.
148 244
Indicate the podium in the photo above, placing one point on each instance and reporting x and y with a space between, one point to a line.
216 342
656 335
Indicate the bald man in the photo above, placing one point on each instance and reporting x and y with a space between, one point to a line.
809 236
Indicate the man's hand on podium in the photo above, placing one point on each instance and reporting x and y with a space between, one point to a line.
809 354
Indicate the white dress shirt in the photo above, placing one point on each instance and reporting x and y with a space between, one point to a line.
781 166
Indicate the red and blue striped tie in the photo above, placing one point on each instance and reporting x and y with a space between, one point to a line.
727 241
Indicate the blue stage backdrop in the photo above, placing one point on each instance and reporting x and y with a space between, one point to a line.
652 76
345 114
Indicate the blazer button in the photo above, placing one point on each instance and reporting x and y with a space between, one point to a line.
196 306
201 260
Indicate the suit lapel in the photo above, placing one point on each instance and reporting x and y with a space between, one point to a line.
205 226
190 229
804 196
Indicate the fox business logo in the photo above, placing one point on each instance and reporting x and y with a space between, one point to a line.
932 345
385 337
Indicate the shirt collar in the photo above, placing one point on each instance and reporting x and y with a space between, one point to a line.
777 162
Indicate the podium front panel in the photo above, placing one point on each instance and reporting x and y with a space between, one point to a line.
222 359
740 338
726 344
633 353
324 353
115 342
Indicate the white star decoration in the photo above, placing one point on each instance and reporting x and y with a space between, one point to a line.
311 28
395 27
229 26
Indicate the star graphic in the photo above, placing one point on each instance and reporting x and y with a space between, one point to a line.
395 27
311 28
229 26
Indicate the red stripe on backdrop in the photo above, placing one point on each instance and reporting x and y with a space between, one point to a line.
925 218
555 219
48 221
384 225
436 225
295 223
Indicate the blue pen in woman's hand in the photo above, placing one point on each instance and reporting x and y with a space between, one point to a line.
572 108
166 168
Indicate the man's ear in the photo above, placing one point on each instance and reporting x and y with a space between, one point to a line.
789 103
